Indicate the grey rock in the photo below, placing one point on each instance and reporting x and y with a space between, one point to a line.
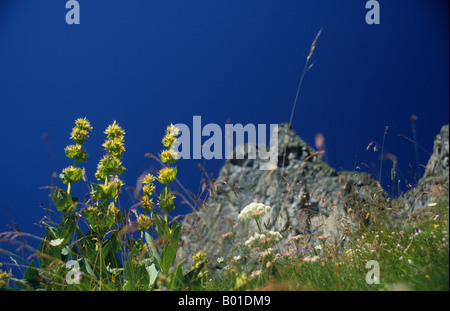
434 183
306 196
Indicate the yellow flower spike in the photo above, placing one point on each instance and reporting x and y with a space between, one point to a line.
168 140
114 130
115 146
147 204
167 175
200 256
148 189
172 130
171 133
144 222
149 179
169 156
80 131
83 124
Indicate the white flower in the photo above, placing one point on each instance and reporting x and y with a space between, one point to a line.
236 258
56 242
253 210
254 239
410 261
318 247
270 237
255 273
220 259
274 235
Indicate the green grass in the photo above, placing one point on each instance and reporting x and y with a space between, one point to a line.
412 255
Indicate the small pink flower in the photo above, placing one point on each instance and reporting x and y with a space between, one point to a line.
265 240
297 237
323 237
226 235
287 254
311 259
258 214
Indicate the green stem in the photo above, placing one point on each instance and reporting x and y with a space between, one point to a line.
69 186
258 224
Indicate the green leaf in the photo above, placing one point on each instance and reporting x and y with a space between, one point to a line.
71 176
110 250
154 253
137 275
89 269
87 246
97 191
152 273
66 228
176 278
192 275
176 232
31 276
166 199
62 200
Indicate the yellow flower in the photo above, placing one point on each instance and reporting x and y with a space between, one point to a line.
172 130
170 138
169 156
83 124
146 203
70 169
80 131
114 130
200 256
3 277
144 222
149 179
167 175
115 146
435 226
113 208
107 166
148 189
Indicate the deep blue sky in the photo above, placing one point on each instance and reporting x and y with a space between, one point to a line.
148 63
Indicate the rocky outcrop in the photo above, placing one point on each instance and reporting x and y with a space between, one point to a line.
434 183
306 196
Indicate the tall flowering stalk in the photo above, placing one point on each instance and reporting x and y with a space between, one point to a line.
103 213
79 134
169 233
168 173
